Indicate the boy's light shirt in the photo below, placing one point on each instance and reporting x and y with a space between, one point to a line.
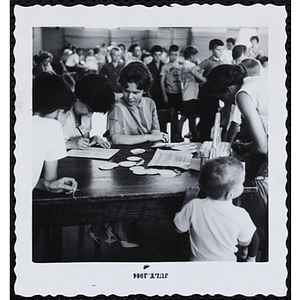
215 227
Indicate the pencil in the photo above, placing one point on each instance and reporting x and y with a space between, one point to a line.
80 131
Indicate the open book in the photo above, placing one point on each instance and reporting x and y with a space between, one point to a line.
170 158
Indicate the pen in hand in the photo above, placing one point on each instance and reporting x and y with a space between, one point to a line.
79 131
82 134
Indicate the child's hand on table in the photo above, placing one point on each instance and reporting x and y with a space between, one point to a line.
67 184
97 140
191 193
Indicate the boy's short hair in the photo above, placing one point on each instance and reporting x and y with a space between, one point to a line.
114 49
215 43
122 46
138 73
264 59
156 48
219 175
252 66
231 40
132 47
254 37
95 91
238 51
189 51
173 48
51 93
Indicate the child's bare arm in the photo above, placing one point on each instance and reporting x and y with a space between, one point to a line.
191 193
197 72
163 89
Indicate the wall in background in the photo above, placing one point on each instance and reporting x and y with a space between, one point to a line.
53 39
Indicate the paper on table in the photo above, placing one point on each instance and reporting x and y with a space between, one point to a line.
169 158
195 164
94 152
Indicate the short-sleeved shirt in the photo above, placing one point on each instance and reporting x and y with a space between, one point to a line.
227 56
71 131
112 73
215 228
172 71
48 144
190 87
72 60
209 63
137 120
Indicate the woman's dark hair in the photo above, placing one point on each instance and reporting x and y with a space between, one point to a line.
44 55
138 73
221 77
96 92
238 51
50 93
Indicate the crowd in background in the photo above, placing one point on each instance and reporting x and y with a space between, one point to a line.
109 60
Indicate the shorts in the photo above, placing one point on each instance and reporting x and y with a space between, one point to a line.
175 100
190 107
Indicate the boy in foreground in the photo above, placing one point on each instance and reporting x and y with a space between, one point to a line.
215 225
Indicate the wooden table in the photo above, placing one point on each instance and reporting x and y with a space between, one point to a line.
112 195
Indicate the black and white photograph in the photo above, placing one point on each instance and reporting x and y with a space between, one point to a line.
150 150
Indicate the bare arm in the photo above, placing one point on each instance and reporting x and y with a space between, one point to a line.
126 139
259 144
197 72
162 83
49 181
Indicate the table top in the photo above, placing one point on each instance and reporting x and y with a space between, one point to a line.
118 183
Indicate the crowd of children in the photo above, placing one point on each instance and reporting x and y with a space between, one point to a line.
131 88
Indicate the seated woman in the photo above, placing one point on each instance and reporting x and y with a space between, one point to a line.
133 119
94 94
231 84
